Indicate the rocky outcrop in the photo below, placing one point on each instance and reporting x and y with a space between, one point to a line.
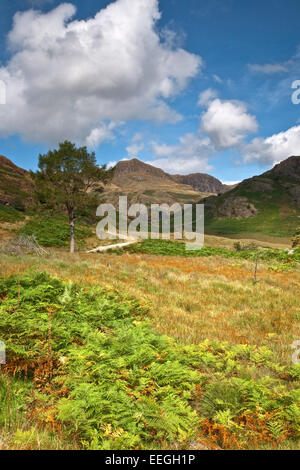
231 207
203 182
237 208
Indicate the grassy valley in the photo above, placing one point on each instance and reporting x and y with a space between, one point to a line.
149 293
152 346
202 319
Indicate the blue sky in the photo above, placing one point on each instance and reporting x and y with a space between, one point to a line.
194 86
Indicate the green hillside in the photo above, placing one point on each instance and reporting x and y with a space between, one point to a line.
264 205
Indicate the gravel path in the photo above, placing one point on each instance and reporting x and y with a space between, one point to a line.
101 249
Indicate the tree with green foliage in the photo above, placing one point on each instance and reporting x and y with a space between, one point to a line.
296 239
70 178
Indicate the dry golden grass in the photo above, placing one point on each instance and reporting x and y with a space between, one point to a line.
9 230
264 242
191 299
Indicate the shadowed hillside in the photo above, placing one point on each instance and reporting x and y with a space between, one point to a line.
268 204
16 185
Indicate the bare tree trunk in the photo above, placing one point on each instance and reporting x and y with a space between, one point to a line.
72 234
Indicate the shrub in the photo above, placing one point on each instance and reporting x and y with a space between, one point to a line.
250 247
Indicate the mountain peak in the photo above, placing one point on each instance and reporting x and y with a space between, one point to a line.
197 181
126 167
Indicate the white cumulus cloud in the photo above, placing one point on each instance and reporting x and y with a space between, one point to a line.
274 149
70 79
100 134
227 123
224 125
191 155
207 96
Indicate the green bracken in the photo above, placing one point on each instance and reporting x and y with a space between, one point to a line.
169 248
10 214
87 361
54 231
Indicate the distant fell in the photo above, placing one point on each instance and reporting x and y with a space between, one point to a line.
146 184
135 166
267 204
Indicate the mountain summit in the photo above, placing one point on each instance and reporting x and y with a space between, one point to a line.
135 167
